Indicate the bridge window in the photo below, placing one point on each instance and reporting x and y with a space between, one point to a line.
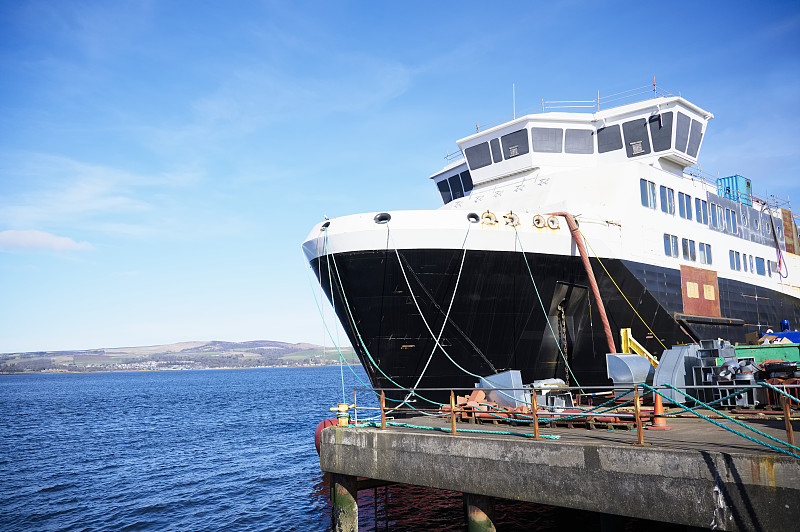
670 245
497 153
667 200
455 186
578 141
515 144
682 132
547 139
648 192
636 140
467 180
661 131
444 190
478 156
695 136
608 139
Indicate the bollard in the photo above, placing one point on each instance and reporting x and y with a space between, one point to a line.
383 410
639 432
452 412
342 415
534 408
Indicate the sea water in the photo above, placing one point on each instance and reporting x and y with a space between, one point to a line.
196 450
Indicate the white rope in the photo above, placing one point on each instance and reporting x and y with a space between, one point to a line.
414 298
447 314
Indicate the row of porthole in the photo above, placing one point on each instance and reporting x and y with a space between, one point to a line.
512 218
487 218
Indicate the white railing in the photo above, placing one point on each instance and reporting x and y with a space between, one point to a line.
600 102
710 180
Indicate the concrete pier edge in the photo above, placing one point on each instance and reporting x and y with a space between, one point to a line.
697 488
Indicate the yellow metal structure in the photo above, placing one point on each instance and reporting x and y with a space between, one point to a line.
630 345
342 414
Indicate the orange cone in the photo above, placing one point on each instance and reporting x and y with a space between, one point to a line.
659 421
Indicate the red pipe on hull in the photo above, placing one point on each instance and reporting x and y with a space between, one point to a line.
573 227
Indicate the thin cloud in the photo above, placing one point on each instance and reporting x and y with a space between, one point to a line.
55 191
14 240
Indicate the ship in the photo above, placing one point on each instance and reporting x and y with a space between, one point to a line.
558 229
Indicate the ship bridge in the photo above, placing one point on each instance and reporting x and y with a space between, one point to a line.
666 132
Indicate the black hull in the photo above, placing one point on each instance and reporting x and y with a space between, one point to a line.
497 321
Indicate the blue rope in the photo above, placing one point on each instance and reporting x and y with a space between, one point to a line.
528 266
341 355
792 397
442 429
698 414
333 304
361 340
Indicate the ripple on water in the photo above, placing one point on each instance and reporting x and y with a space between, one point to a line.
192 450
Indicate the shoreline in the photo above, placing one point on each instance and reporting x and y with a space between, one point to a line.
63 372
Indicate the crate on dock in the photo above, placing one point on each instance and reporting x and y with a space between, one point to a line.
750 397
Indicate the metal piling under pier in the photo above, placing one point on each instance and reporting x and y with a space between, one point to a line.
694 475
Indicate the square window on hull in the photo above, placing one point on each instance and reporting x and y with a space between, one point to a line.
647 189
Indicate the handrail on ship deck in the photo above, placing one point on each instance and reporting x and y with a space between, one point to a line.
628 96
553 414
696 173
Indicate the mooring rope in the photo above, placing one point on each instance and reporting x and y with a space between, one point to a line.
361 340
438 338
444 429
620 291
587 266
333 305
544 312
330 335
427 326
708 407
782 392
425 321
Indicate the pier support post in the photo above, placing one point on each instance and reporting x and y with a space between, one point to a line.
344 503
480 513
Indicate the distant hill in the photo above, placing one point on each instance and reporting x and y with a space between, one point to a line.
183 355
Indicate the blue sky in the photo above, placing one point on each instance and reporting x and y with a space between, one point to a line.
162 161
